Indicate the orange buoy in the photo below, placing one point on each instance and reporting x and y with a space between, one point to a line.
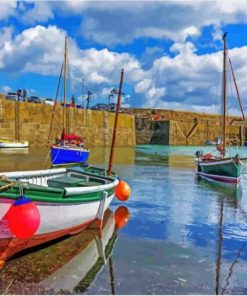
122 191
121 216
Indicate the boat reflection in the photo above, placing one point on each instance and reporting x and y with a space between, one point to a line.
225 268
124 155
14 151
66 266
231 191
147 156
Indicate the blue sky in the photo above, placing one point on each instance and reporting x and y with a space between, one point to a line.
171 50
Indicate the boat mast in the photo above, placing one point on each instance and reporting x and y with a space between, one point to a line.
115 123
17 120
224 92
64 85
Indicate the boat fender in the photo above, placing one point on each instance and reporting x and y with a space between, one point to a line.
207 156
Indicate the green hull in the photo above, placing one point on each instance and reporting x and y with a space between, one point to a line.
225 169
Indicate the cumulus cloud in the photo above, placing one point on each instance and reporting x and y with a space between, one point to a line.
117 22
7 8
193 82
40 11
110 23
184 80
41 49
6 88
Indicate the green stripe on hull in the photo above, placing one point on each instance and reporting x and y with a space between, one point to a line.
230 169
74 177
45 196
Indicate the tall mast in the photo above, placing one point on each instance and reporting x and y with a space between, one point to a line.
17 120
115 123
64 85
224 92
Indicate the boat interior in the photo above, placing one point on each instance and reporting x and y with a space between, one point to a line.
64 177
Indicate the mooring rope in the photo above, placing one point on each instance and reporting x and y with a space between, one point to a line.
9 182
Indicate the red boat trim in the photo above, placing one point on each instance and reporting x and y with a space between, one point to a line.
220 178
216 162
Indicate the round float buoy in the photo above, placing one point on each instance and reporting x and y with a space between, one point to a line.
23 218
122 191
121 216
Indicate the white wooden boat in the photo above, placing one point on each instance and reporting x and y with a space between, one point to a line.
13 144
68 199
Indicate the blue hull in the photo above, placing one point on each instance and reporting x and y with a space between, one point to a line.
63 155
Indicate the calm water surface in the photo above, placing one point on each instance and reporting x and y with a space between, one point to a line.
184 236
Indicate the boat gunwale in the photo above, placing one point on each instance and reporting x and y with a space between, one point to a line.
215 161
64 194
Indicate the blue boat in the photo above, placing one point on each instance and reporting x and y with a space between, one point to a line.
70 147
66 154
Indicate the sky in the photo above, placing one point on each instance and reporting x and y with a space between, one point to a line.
171 51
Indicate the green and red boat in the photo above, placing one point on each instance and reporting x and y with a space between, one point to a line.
67 199
226 170
221 168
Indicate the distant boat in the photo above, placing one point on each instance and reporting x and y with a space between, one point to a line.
220 168
209 142
7 143
69 148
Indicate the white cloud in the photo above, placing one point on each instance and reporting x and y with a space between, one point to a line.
184 81
40 12
7 8
41 49
6 89
112 22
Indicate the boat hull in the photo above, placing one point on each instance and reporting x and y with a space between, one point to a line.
64 155
5 144
56 217
225 170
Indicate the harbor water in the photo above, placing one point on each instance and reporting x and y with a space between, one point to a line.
185 235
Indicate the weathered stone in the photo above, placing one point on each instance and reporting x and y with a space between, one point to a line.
34 123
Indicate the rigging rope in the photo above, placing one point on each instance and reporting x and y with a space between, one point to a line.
54 106
236 86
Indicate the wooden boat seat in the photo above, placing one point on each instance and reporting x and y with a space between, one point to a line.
65 181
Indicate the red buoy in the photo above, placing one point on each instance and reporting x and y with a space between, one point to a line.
121 216
122 191
23 218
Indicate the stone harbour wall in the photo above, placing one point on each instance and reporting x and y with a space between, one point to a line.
95 126
171 127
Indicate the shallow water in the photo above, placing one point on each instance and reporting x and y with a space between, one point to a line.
184 236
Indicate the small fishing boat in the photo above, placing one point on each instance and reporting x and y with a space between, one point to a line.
70 147
208 142
67 199
219 167
7 143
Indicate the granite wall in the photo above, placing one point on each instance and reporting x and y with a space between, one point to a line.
95 126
